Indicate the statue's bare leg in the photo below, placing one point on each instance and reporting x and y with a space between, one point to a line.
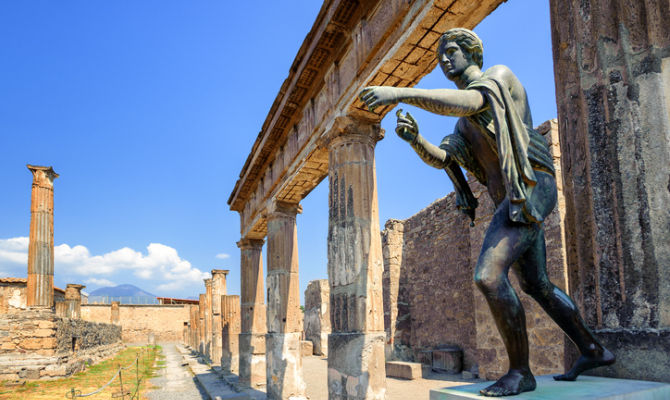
504 243
532 273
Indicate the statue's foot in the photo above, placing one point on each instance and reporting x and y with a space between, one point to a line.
514 382
585 363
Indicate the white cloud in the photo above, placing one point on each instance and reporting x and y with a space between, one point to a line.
222 256
162 264
99 282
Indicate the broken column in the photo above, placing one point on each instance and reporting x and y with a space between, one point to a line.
208 318
201 323
284 362
252 308
230 321
73 300
40 285
218 289
114 313
356 347
317 315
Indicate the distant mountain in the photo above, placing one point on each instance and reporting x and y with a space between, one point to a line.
121 290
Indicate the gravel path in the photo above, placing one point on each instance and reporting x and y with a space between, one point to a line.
174 381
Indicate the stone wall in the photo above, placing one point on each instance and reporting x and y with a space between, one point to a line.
13 295
38 344
317 315
165 321
431 300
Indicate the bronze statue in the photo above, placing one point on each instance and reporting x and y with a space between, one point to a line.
494 139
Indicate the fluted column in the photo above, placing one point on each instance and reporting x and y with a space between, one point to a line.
40 291
284 362
356 364
73 300
202 304
252 307
230 320
208 318
218 289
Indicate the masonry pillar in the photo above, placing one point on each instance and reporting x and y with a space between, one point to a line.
193 339
252 307
40 285
114 313
218 289
356 364
208 318
73 300
230 321
284 362
201 323
612 72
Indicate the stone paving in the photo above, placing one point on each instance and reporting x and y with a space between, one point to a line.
175 381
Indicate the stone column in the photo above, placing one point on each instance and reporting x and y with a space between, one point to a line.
356 364
201 323
193 338
218 289
252 308
208 318
40 286
230 319
317 315
284 362
612 73
114 314
73 300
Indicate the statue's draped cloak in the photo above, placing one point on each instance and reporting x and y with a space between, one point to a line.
520 150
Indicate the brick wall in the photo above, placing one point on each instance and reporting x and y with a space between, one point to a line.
165 321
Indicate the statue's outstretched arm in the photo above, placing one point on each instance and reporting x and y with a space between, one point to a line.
452 102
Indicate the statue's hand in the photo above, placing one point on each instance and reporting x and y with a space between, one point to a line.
375 96
407 128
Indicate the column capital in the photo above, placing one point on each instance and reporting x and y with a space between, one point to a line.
351 128
42 176
224 272
208 282
246 244
278 208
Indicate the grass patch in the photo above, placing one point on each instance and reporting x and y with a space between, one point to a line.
93 378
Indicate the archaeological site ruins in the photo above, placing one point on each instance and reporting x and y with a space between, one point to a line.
402 297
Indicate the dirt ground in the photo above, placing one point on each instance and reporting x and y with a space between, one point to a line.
315 369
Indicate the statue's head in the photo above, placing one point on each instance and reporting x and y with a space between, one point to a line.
457 49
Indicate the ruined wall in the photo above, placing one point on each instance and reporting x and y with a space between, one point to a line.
39 344
317 315
165 321
612 73
13 295
431 258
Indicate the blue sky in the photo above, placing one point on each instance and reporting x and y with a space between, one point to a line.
148 109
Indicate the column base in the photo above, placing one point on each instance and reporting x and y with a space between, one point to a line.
252 360
356 366
230 359
284 366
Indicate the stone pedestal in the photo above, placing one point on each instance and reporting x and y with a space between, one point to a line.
284 363
218 289
230 320
317 315
356 346
73 300
114 317
252 313
40 286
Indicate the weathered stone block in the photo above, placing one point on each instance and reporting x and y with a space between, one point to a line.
403 370
284 366
449 360
356 370
306 348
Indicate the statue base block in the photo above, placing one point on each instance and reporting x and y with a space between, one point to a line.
584 388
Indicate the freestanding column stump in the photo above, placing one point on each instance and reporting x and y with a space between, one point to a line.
218 289
284 362
356 359
114 316
73 300
252 307
230 319
40 285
